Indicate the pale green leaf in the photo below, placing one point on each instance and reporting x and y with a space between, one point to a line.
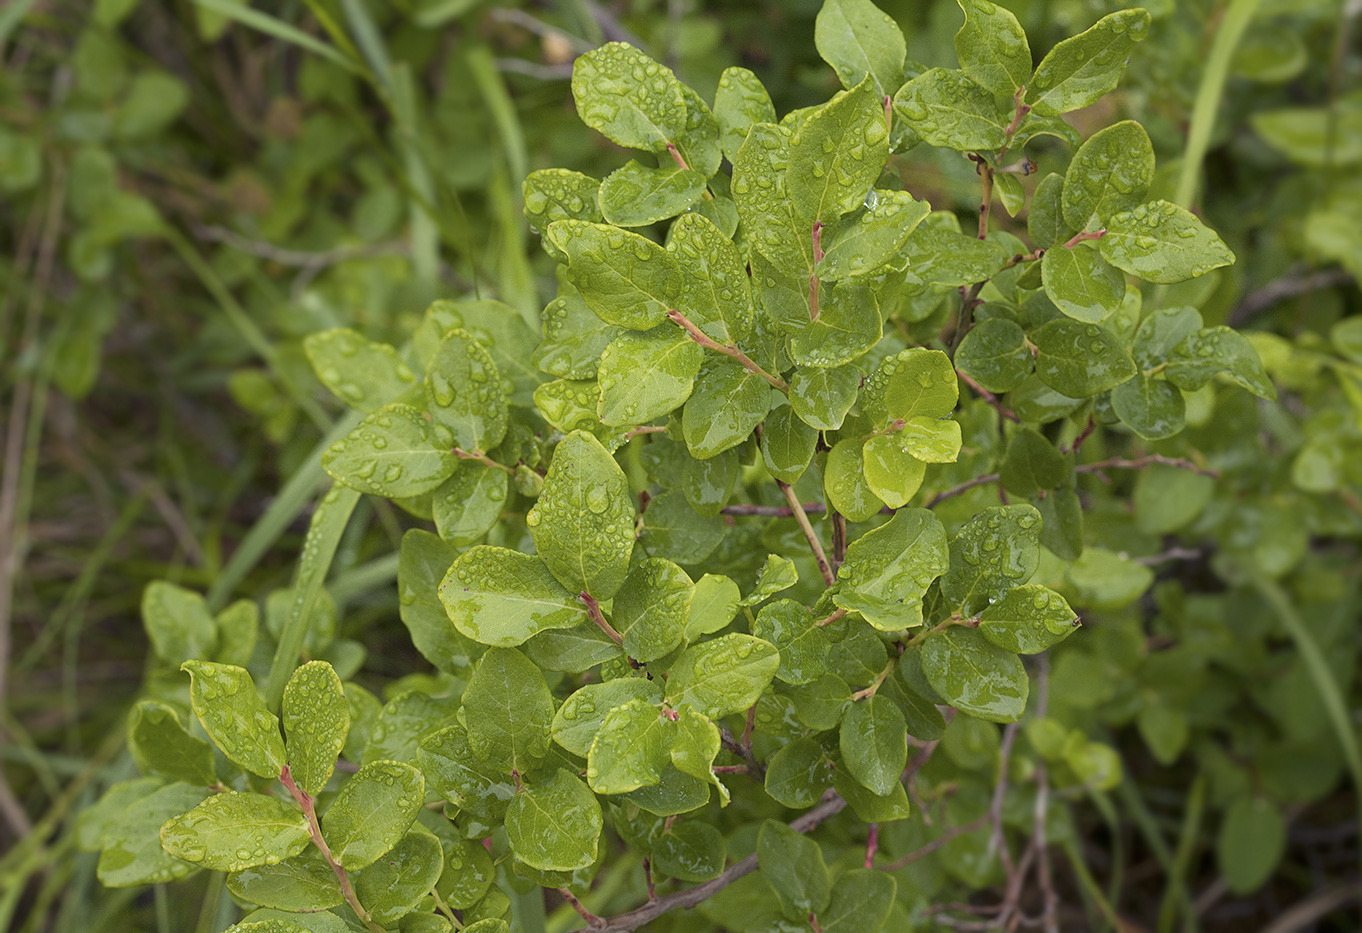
951 111
740 102
1161 242
716 292
630 749
626 279
362 374
888 569
579 718
628 97
1078 71
1081 283
554 825
857 39
232 831
464 392
393 453
644 376
992 48
1109 174
500 597
636 195
722 676
1028 620
837 154
316 721
844 481
652 608
226 702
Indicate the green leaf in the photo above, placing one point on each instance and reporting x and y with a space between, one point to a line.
932 440
644 376
675 793
793 865
372 812
740 102
501 597
690 852
583 523
508 710
874 743
178 623
1219 350
468 874
573 650
1010 192
798 774
559 194
1320 137
992 48
630 749
226 702
457 775
787 441
716 292
699 145
1250 845
394 453
844 481
1104 579
728 403
1108 175
951 111
712 606
469 503
974 675
865 242
1045 222
1161 242
238 629
574 337
579 718
893 474
302 883
1028 620
1152 408
994 551
1080 360
422 563
1032 464
857 39
636 195
802 642
391 888
994 354
694 745
362 374
159 743
1160 332
837 155
628 97
464 392
722 676
624 278
132 848
760 189
231 831
911 383
778 573
822 397
316 721
708 484
674 530
1078 71
1081 283
868 805
888 569
1167 498
862 900
848 325
652 608
555 825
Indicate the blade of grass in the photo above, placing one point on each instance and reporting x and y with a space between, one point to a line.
263 22
1209 92
292 498
323 536
242 321
1182 860
1321 676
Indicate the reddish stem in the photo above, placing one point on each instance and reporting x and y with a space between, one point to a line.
593 610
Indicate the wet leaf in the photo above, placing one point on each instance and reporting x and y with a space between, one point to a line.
555 825
226 702
624 278
628 97
1080 360
630 749
372 812
729 401
949 110
874 743
837 154
1161 242
888 569
393 453
794 631
636 195
992 47
1081 283
501 597
793 865
722 676
995 551
508 711
392 887
316 721
362 374
160 743
644 376
1079 70
740 102
232 831
857 39
1109 174
464 392
1028 620
974 675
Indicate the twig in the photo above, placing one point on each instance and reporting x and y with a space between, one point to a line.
646 429
593 611
797 509
839 541
872 844
997 842
591 919
648 878
1120 463
776 511
988 397
539 28
727 349
833 617
1304 913
936 843
961 488
482 458
1288 286
1050 919
315 831
728 743
628 922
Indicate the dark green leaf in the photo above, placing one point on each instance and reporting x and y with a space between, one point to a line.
857 39
1028 620
1108 175
391 888
159 743
690 852
992 47
464 392
874 743
1152 408
1081 283
802 643
729 401
652 608
1080 360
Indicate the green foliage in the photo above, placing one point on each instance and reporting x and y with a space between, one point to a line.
798 493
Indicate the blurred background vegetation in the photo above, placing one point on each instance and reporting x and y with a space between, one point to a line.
187 189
